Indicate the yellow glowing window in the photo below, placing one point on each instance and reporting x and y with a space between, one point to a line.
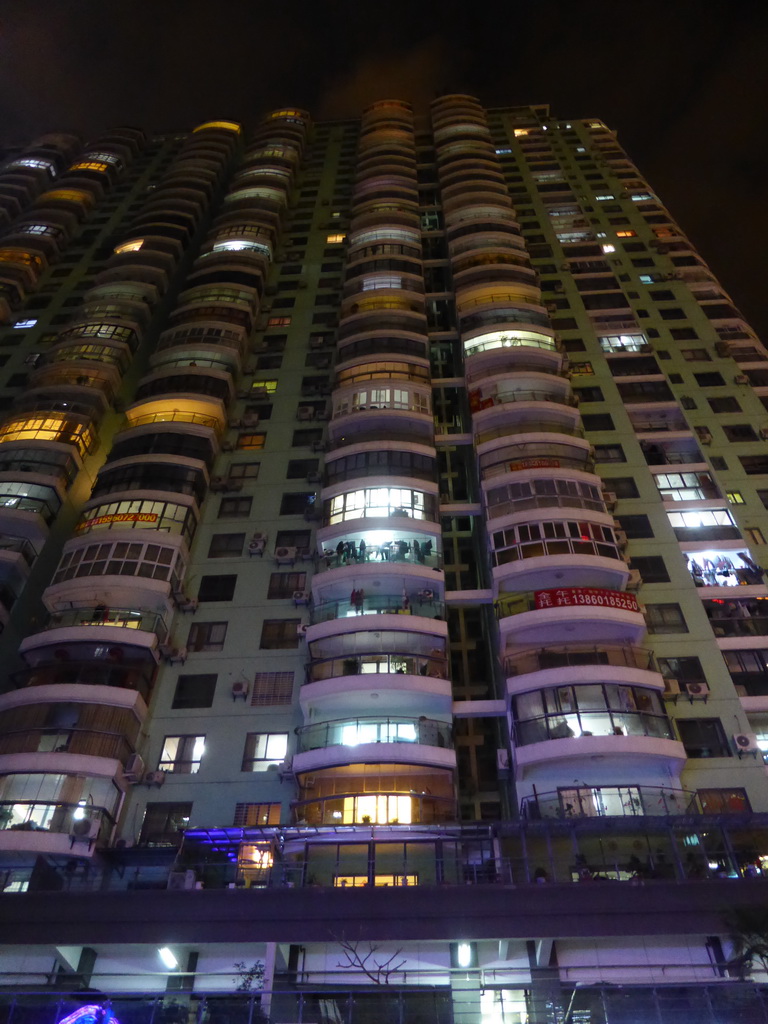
229 126
48 428
521 131
251 441
133 246
270 386
279 321
29 259
626 234
69 195
90 165
356 881
285 113
335 239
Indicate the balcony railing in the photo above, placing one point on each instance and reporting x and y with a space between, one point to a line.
353 808
89 742
20 546
175 417
749 625
574 725
525 601
125 618
504 508
53 816
509 397
534 426
352 732
375 662
610 801
423 603
543 658
388 552
558 546
112 672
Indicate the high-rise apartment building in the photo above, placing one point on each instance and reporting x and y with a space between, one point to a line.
382 518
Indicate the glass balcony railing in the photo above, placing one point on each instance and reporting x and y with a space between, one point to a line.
87 742
553 547
20 546
610 801
510 397
505 508
376 662
408 552
128 675
533 426
560 726
125 618
542 658
355 731
422 602
174 416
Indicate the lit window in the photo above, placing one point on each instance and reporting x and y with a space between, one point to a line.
335 239
637 197
90 165
264 749
646 279
279 321
695 519
501 152
270 386
28 161
230 126
133 246
608 248
24 324
608 195
626 234
755 535
581 149
520 132
735 497
182 754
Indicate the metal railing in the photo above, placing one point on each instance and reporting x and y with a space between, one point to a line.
351 732
543 658
346 808
175 416
510 397
503 508
575 725
417 603
382 553
536 426
610 801
554 547
125 618
55 817
377 663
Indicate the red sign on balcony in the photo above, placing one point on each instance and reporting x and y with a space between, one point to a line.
563 597
534 464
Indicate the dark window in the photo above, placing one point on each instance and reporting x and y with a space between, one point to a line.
754 464
740 432
217 588
598 421
622 486
244 470
293 539
665 618
703 737
234 508
672 314
709 380
225 545
693 355
686 670
662 295
636 526
306 436
683 333
593 394
609 453
163 823
280 634
285 584
298 468
194 691
651 568
207 636
573 345
296 504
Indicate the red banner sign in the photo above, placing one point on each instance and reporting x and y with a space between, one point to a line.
119 517
564 597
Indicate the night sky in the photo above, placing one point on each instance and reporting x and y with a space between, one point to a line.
685 82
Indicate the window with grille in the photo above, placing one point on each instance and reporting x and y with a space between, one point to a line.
284 584
256 814
272 688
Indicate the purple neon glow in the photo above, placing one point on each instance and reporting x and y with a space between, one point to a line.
91 1014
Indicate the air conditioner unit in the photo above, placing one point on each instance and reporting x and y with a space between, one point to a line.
305 412
301 283
705 437
218 483
764 433
502 759
240 689
271 289
745 743
314 476
285 555
83 830
134 768
301 629
251 419
671 686
227 446
741 378
635 580
301 597
697 690
258 536
182 879
156 778
233 485
610 499
621 538
266 307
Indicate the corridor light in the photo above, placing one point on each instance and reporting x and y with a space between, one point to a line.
166 955
464 954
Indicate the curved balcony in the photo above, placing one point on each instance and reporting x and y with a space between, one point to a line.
611 801
78 432
579 662
381 808
536 491
100 625
548 615
397 414
377 683
359 461
378 739
534 450
419 633
195 410
635 741
514 313
383 508
345 548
